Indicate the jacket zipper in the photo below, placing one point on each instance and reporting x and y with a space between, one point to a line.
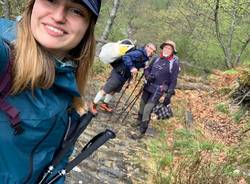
26 181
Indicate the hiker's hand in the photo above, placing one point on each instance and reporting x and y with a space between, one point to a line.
163 88
167 99
150 78
134 71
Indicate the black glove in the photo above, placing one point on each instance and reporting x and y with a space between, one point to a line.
150 77
167 99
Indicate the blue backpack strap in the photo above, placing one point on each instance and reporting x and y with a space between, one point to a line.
5 86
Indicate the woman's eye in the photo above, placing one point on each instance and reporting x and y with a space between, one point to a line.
76 11
51 1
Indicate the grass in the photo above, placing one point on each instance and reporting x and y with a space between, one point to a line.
194 159
222 107
231 71
238 115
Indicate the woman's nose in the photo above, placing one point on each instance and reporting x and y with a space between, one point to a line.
59 15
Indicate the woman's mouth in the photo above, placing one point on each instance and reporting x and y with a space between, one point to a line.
54 31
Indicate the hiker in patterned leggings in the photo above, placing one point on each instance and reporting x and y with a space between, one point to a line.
122 71
161 77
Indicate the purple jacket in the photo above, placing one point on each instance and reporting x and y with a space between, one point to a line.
162 75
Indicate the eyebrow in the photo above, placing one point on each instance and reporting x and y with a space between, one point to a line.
77 1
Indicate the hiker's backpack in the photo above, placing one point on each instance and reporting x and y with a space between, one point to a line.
112 51
5 85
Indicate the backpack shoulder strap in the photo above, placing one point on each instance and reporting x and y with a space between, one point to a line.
171 63
5 79
154 60
5 85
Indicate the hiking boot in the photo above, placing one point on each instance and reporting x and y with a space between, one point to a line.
138 120
137 136
93 109
142 130
105 107
139 117
143 127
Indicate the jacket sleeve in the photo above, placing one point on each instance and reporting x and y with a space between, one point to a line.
7 29
4 55
130 58
174 76
7 33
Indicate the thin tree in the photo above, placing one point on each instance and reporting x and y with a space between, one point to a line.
108 27
226 43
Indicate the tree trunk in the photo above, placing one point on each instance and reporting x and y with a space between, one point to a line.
244 46
108 27
192 86
218 35
6 9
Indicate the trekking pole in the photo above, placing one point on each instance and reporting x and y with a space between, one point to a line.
85 120
132 104
138 82
123 92
125 104
91 146
118 101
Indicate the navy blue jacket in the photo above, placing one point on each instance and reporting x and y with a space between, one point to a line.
160 75
136 58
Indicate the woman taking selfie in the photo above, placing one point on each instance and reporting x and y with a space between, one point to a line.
46 70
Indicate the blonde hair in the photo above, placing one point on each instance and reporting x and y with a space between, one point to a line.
33 66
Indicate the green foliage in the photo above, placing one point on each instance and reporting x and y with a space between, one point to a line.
99 67
189 23
222 107
231 71
238 115
224 90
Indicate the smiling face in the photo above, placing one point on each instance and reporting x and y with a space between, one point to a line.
59 25
150 50
167 50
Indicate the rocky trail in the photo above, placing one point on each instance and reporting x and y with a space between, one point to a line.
115 162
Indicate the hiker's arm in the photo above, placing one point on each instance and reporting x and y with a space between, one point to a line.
130 58
148 68
174 76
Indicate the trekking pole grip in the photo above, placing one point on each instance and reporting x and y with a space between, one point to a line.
92 145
